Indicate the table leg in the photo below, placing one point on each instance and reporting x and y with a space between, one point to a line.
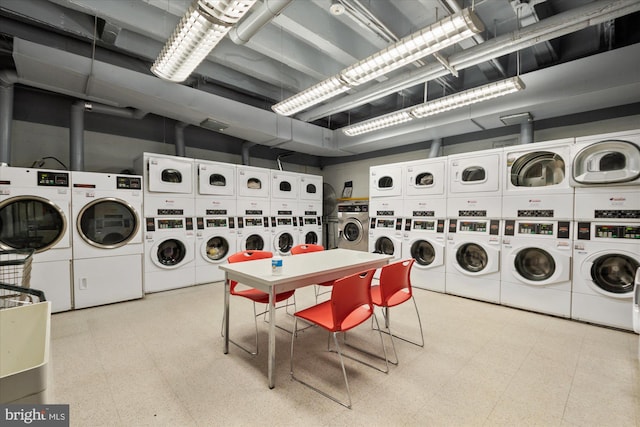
272 336
227 291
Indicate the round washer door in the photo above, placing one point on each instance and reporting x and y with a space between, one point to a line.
283 242
539 267
31 222
254 242
311 238
427 254
169 253
107 223
215 249
611 274
353 231
475 259
384 245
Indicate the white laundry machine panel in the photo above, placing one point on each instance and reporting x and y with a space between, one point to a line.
385 228
310 187
425 178
353 225
285 185
385 181
475 174
216 240
253 228
606 160
215 179
310 222
169 245
606 258
35 213
538 168
166 174
636 306
474 207
429 207
424 240
543 206
608 204
285 232
473 259
536 265
253 182
107 214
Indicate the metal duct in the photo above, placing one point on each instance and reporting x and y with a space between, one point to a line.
246 146
526 132
7 80
180 144
242 33
434 151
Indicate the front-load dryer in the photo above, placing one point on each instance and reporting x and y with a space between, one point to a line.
536 266
385 181
606 256
425 178
424 240
353 225
108 247
35 213
169 245
253 182
310 222
215 180
310 188
473 259
475 174
285 232
385 228
253 228
285 185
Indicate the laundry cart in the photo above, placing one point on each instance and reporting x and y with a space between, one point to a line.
25 322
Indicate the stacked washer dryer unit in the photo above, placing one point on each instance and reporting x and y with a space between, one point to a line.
285 232
169 235
474 209
537 207
606 177
35 213
253 207
385 210
310 209
215 210
107 239
425 211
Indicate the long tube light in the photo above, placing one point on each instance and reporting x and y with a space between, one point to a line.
440 105
444 33
205 23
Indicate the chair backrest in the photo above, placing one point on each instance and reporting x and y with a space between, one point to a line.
306 247
395 278
351 300
246 256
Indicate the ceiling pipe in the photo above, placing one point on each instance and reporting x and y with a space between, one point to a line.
434 151
242 33
7 79
246 146
558 25
180 144
526 132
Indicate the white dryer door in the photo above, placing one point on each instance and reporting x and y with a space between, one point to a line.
385 181
217 179
479 174
476 259
607 162
540 266
611 273
253 182
428 253
170 175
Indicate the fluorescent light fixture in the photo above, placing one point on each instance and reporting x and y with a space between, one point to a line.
446 32
324 90
378 123
204 24
446 103
468 97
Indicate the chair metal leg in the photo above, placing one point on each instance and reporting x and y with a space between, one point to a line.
255 321
387 322
361 350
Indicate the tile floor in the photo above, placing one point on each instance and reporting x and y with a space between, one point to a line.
159 361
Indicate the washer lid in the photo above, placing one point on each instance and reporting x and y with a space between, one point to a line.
607 162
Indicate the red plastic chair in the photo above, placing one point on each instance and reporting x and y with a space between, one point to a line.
306 248
394 288
255 295
350 305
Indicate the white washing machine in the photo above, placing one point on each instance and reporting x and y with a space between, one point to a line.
473 259
606 257
425 178
475 174
353 225
310 222
386 181
385 228
536 265
253 183
636 308
216 237
107 239
606 160
608 203
169 245
285 232
285 185
253 228
35 213
310 188
424 240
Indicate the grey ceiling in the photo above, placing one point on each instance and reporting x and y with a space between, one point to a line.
573 55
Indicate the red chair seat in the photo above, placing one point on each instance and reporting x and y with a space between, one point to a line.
262 297
396 299
322 315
